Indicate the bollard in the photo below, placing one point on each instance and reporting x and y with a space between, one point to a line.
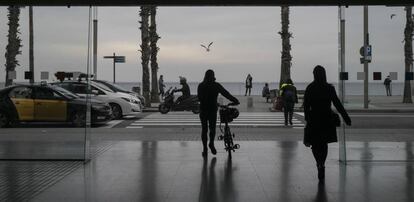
250 102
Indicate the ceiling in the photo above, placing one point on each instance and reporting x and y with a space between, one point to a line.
204 2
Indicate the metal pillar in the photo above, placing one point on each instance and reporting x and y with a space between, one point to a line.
341 83
95 42
31 52
114 67
366 43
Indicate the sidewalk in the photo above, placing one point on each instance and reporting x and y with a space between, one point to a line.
353 103
378 103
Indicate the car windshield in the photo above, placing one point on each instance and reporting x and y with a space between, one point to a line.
64 92
103 87
114 86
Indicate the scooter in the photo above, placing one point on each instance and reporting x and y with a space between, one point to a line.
189 104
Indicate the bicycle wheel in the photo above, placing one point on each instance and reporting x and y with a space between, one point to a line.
228 141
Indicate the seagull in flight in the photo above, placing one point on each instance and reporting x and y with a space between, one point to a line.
208 47
393 15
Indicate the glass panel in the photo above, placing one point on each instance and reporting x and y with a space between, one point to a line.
382 124
341 82
40 120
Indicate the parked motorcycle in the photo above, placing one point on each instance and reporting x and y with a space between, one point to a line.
189 104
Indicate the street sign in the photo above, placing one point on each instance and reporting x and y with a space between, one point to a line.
409 76
119 59
393 75
343 76
377 76
44 75
360 76
116 59
366 54
28 75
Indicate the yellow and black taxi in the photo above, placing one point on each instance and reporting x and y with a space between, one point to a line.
46 103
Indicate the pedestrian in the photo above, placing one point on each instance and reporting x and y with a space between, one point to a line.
161 86
249 84
290 97
320 119
387 84
207 93
266 92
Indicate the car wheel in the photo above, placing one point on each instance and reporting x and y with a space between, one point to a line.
116 111
4 120
163 108
79 119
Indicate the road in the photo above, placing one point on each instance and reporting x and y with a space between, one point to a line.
249 126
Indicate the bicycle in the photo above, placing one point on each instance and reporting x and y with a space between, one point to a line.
227 115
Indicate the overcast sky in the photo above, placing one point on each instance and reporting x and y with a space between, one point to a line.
245 41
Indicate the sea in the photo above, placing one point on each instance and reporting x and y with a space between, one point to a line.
238 88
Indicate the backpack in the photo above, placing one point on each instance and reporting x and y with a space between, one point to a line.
288 96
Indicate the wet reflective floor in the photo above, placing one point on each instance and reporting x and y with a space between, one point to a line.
259 171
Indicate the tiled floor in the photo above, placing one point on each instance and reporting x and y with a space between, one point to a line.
259 171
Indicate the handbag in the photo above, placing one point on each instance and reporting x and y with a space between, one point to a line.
335 119
307 135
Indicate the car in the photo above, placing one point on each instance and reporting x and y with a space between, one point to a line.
122 104
46 103
118 88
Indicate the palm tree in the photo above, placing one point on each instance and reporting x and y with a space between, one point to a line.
154 51
286 59
145 53
14 42
408 52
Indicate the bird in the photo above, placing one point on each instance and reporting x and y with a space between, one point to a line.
392 15
208 47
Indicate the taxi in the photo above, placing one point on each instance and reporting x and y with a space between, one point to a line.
46 103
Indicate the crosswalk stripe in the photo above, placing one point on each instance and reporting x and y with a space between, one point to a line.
238 121
198 124
255 119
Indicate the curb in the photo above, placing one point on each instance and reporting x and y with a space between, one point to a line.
363 110
382 110
150 109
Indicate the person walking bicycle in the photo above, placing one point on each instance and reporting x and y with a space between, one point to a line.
207 93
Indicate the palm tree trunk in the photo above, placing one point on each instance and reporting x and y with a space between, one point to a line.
286 59
408 52
145 53
31 54
14 43
154 51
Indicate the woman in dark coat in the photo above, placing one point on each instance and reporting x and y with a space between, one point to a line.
207 93
320 126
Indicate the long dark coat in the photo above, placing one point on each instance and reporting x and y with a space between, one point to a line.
318 113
